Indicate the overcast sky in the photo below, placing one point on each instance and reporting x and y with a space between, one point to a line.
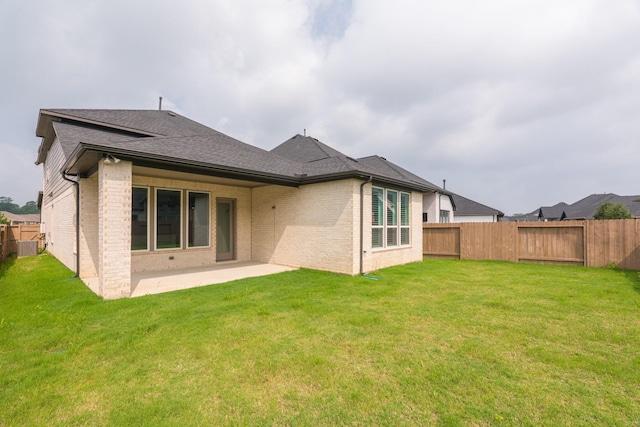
517 104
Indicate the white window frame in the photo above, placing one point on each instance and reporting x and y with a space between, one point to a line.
155 216
187 220
398 227
149 210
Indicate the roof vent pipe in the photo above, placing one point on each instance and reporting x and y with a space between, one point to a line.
444 184
160 104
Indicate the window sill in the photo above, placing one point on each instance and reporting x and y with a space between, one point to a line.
393 248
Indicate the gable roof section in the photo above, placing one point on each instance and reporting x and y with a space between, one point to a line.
466 206
305 149
135 123
322 160
555 212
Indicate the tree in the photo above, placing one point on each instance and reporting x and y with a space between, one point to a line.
30 208
4 219
609 210
7 205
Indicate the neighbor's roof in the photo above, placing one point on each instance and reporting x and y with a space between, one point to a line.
586 208
466 206
166 139
21 218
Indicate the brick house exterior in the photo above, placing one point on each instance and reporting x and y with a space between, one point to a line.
127 191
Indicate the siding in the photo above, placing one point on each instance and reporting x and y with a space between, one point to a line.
58 209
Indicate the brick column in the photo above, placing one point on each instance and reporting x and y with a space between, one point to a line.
114 229
89 232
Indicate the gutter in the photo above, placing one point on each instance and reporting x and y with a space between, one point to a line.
77 185
362 224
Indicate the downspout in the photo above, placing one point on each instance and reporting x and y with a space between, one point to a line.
77 185
362 224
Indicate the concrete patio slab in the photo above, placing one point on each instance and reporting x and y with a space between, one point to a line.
155 282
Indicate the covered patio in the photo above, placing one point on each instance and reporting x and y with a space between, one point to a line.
155 282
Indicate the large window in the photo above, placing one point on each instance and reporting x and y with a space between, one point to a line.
175 213
199 232
139 219
168 219
390 220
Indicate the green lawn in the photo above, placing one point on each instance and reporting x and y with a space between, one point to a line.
432 343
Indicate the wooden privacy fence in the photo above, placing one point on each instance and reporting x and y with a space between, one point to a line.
589 243
10 235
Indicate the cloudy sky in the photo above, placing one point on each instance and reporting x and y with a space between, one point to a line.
517 104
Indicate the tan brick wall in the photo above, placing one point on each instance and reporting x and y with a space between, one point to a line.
186 258
312 226
89 237
114 228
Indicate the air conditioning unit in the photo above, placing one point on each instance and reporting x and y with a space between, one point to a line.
27 248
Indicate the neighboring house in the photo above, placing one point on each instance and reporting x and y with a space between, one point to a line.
17 219
127 191
438 206
582 209
468 210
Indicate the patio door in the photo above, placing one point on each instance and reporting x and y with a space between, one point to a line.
225 229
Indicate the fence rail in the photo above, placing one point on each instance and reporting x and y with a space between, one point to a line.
588 243
10 235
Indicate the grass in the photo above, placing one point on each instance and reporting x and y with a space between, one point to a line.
432 343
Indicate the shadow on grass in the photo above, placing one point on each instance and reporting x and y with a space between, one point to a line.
5 265
634 277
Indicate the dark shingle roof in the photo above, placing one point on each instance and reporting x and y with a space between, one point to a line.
466 206
305 149
586 208
164 137
165 123
321 159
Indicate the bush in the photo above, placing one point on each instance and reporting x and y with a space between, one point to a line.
610 210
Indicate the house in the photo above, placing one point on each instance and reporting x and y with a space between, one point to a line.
17 219
582 209
468 210
131 191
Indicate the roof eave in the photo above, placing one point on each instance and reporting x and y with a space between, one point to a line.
93 153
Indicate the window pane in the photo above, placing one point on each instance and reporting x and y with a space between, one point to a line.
404 209
139 219
168 219
392 236
376 238
376 206
198 219
392 208
444 216
404 236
